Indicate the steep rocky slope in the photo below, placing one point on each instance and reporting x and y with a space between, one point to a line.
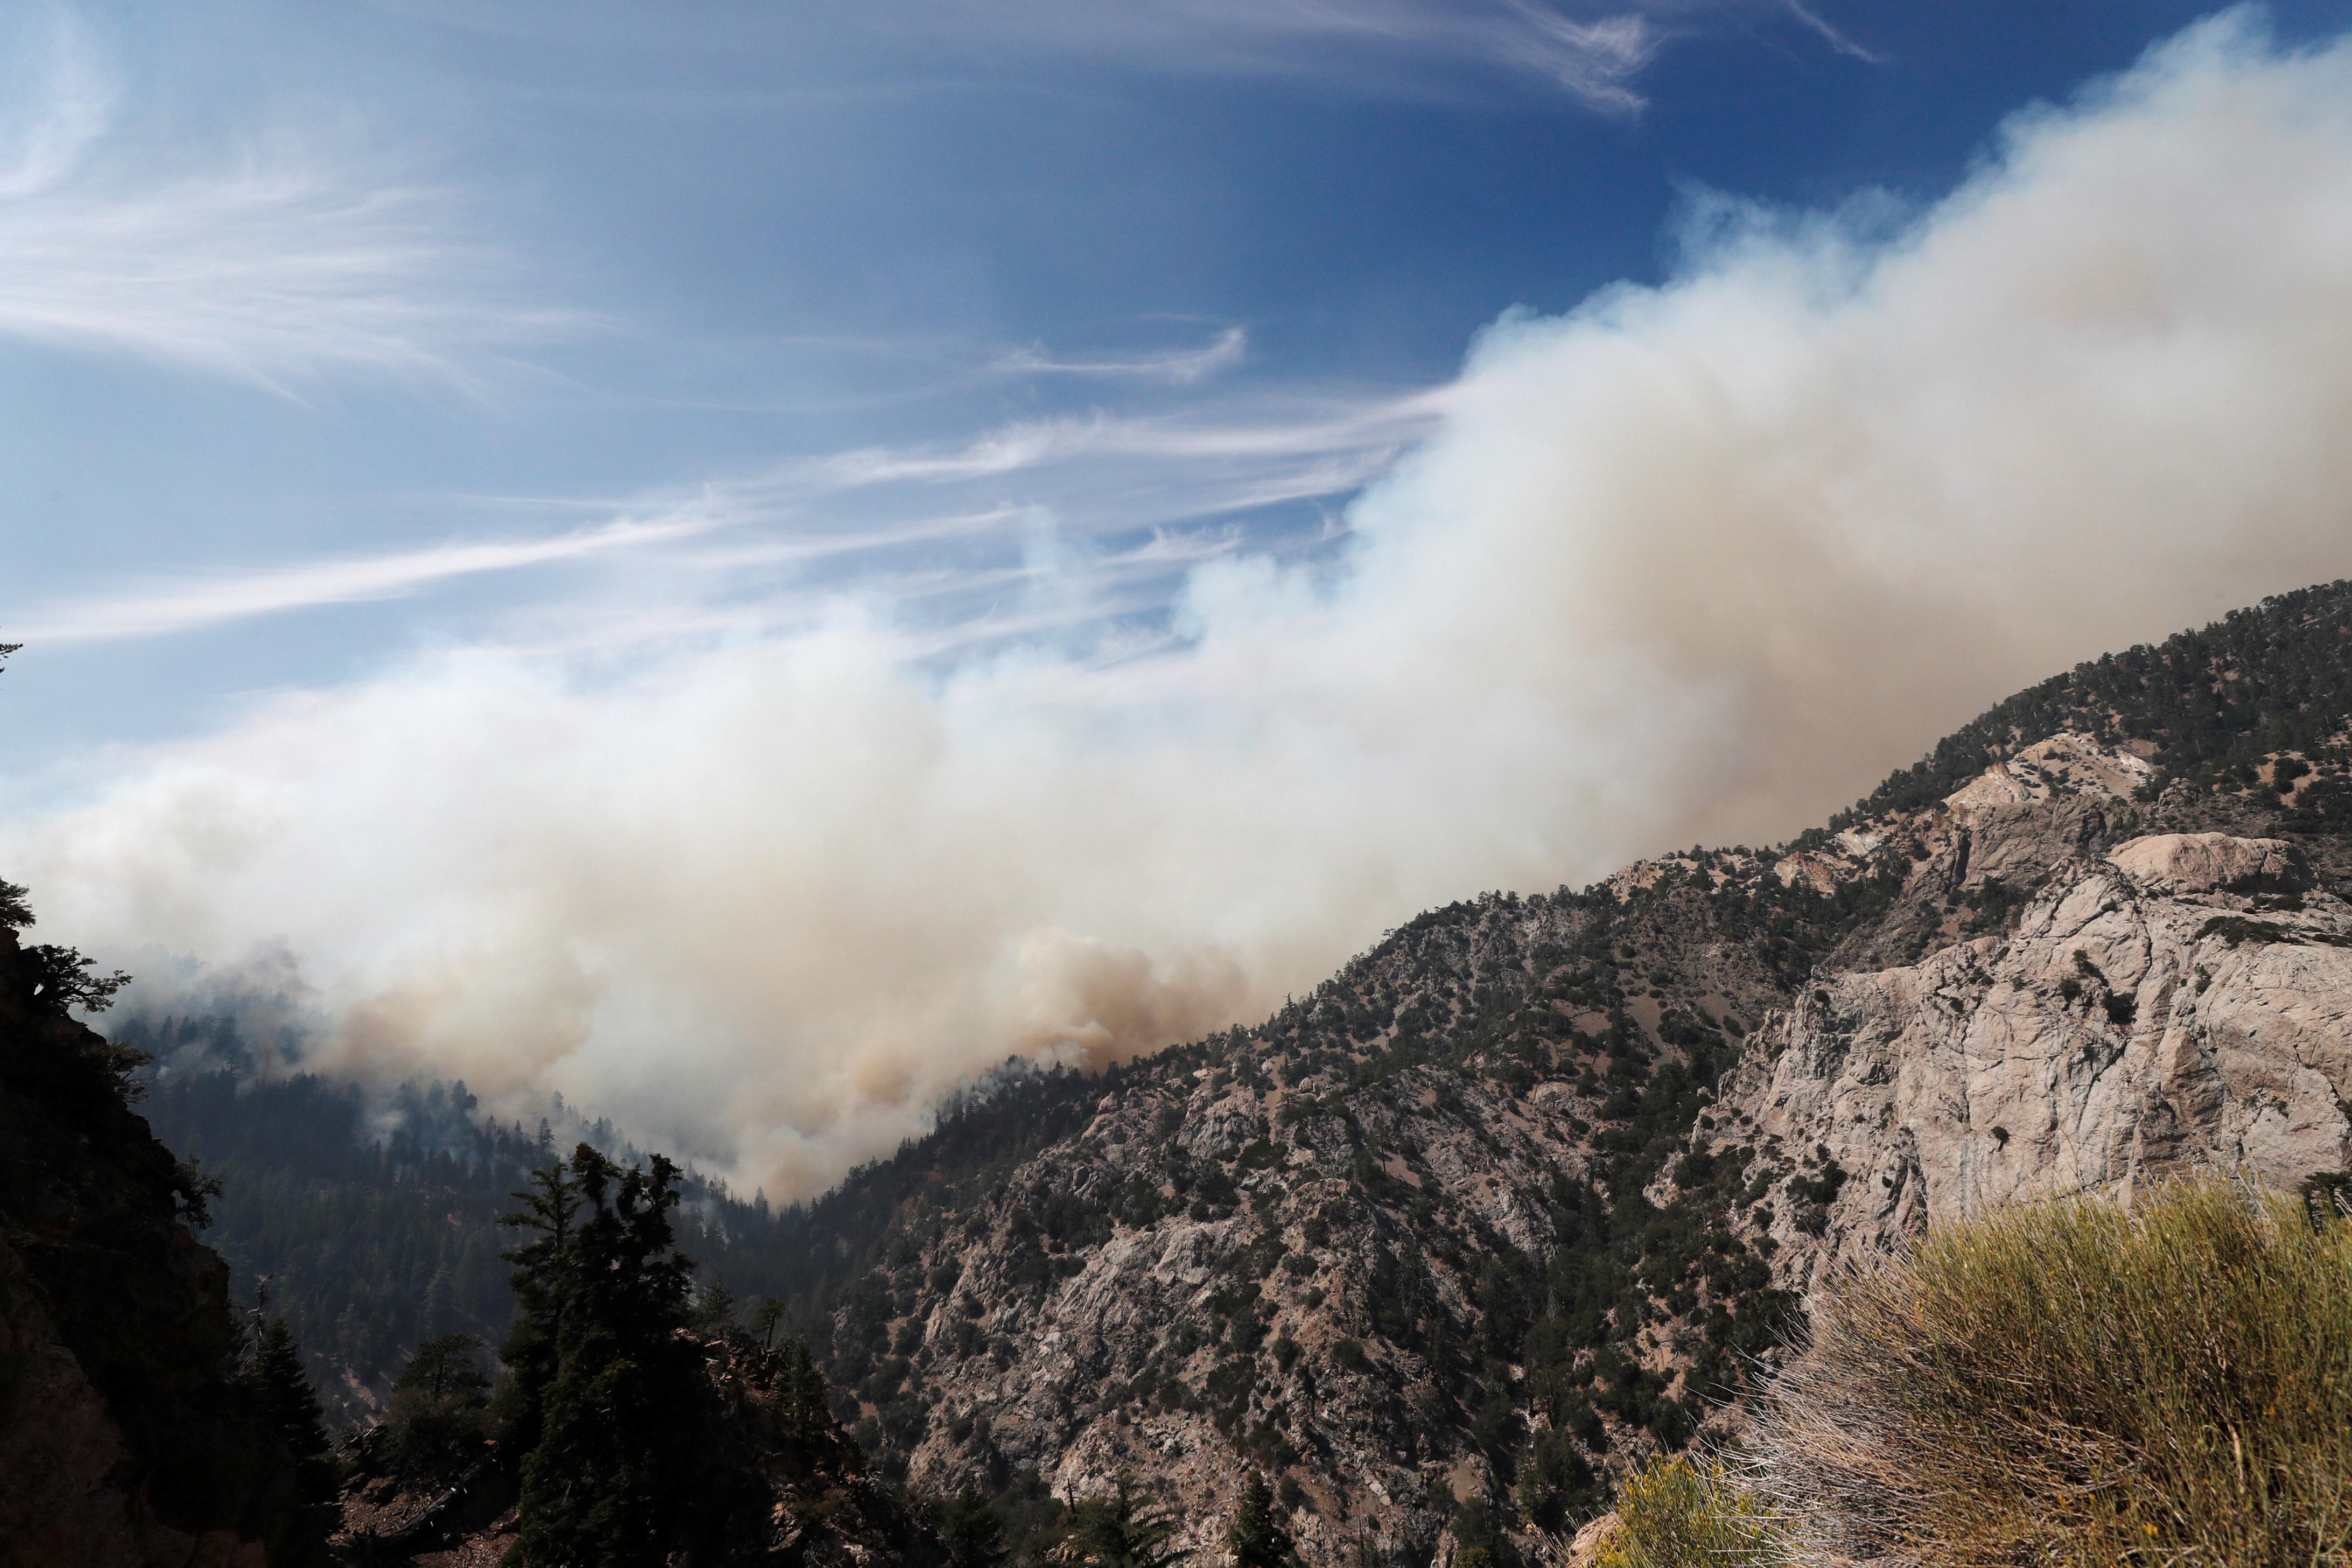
1513 1195
2184 1000
123 1437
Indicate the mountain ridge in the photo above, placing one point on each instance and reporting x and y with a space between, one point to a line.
1444 1240
1447 1241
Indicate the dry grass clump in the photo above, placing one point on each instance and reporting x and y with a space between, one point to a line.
1688 1512
2077 1382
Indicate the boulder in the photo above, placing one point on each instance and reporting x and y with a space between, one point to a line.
2212 863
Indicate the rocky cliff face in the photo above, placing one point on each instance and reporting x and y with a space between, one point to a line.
123 1439
1508 1199
1515 1195
2181 1001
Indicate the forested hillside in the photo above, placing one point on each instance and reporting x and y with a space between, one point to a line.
2214 707
371 1222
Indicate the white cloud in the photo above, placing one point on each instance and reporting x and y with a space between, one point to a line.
215 599
870 519
1185 367
1282 433
1694 562
1591 53
276 265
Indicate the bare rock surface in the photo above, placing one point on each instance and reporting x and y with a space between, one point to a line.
2148 1013
2212 862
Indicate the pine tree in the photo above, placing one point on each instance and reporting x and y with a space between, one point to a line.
714 1311
804 1393
1127 1529
1255 1537
278 1387
551 1204
969 1532
603 1485
438 1406
763 1324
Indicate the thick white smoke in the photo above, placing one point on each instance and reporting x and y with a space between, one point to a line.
1697 562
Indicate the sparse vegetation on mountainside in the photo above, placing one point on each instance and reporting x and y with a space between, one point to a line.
2259 699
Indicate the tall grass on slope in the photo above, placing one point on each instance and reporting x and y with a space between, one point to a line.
2082 1383
1688 1511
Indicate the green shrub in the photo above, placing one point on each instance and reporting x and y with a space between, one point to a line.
2080 1382
1689 1512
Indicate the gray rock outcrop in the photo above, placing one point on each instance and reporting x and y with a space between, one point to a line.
2175 1004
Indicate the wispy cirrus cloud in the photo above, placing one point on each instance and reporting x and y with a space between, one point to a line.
57 102
1840 41
1594 52
870 519
1275 430
1185 367
276 265
1591 52
215 599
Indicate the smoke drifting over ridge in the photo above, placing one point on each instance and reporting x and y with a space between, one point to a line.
1696 562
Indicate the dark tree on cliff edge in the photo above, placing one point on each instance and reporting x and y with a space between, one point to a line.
601 1297
283 1392
549 1207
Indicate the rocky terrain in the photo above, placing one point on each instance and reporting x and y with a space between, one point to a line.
2183 1000
125 1438
1516 1195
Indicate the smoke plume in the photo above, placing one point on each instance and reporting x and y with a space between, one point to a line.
1693 562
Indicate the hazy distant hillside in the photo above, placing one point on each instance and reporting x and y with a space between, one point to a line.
371 1222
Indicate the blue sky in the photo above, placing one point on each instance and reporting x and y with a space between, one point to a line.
745 563
512 271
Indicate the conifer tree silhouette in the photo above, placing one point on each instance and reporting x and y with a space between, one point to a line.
970 1532
1255 1537
605 1484
1127 1529
282 1390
